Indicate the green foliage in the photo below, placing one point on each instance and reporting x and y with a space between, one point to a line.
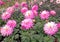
36 34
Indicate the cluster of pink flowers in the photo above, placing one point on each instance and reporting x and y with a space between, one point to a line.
49 28
46 14
29 15
8 28
11 24
7 14
9 11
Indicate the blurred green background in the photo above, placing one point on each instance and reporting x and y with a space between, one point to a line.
7 4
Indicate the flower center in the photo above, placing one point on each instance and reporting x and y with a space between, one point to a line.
49 25
6 29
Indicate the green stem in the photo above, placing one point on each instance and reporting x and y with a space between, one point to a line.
55 39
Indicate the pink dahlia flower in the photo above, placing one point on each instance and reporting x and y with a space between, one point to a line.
52 12
6 30
10 9
44 15
35 7
1 2
5 16
29 14
27 24
11 23
16 4
58 1
24 4
24 9
50 28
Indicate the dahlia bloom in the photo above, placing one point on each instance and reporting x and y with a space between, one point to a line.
50 28
35 7
44 15
6 30
16 4
11 23
52 12
24 4
10 9
1 2
27 24
24 9
58 1
5 16
29 14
